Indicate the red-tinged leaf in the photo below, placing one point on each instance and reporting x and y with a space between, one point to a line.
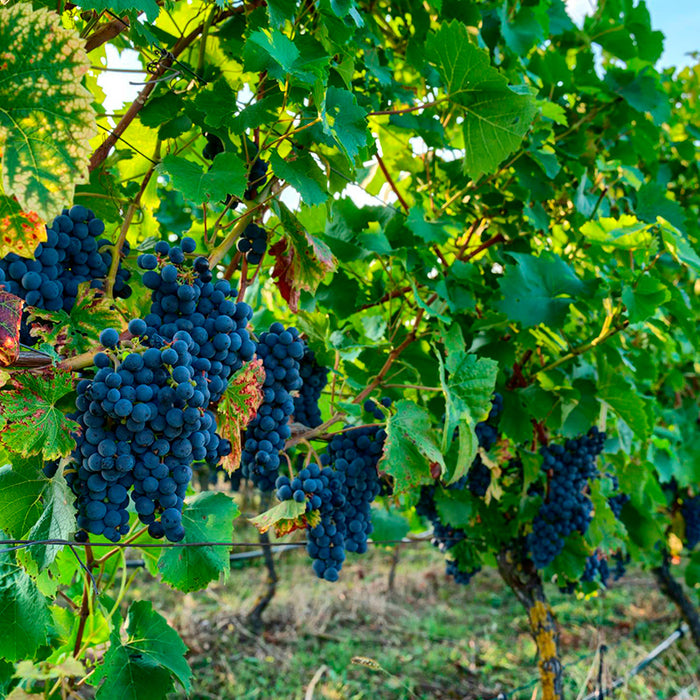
10 321
301 260
20 231
238 406
78 331
285 517
32 422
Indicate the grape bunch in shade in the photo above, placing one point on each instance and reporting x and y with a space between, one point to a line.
145 415
280 350
72 254
253 243
567 507
373 409
314 379
322 491
690 510
214 146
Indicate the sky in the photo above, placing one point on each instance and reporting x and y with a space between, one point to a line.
679 20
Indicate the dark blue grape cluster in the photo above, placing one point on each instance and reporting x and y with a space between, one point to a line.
73 253
596 569
184 297
618 500
280 350
371 407
487 430
354 454
691 515
314 378
144 417
322 489
567 507
621 560
463 578
253 243
213 148
256 178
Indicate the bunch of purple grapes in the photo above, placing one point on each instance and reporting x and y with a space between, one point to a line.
567 507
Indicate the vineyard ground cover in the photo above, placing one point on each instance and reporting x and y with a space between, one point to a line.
431 638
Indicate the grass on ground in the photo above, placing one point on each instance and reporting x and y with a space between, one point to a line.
428 638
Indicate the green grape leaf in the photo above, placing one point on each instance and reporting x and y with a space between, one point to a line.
627 232
33 422
36 508
677 245
614 389
147 663
301 260
238 407
208 517
25 613
150 7
539 289
468 392
345 121
227 175
77 331
388 525
46 115
411 450
20 496
285 517
644 300
56 522
495 118
20 231
303 175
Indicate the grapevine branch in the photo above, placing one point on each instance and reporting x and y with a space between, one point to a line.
99 156
391 182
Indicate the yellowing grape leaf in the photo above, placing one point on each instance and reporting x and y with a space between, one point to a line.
32 422
10 321
238 406
301 260
46 114
20 231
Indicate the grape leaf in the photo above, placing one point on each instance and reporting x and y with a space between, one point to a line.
303 175
539 289
644 300
238 406
77 331
145 665
227 175
388 525
467 401
33 423
207 517
301 260
25 613
46 115
289 513
36 508
495 117
150 7
10 321
20 231
677 244
411 448
627 232
345 121
624 400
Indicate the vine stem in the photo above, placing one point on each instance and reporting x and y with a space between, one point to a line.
581 349
391 182
128 218
406 110
218 254
85 604
101 153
